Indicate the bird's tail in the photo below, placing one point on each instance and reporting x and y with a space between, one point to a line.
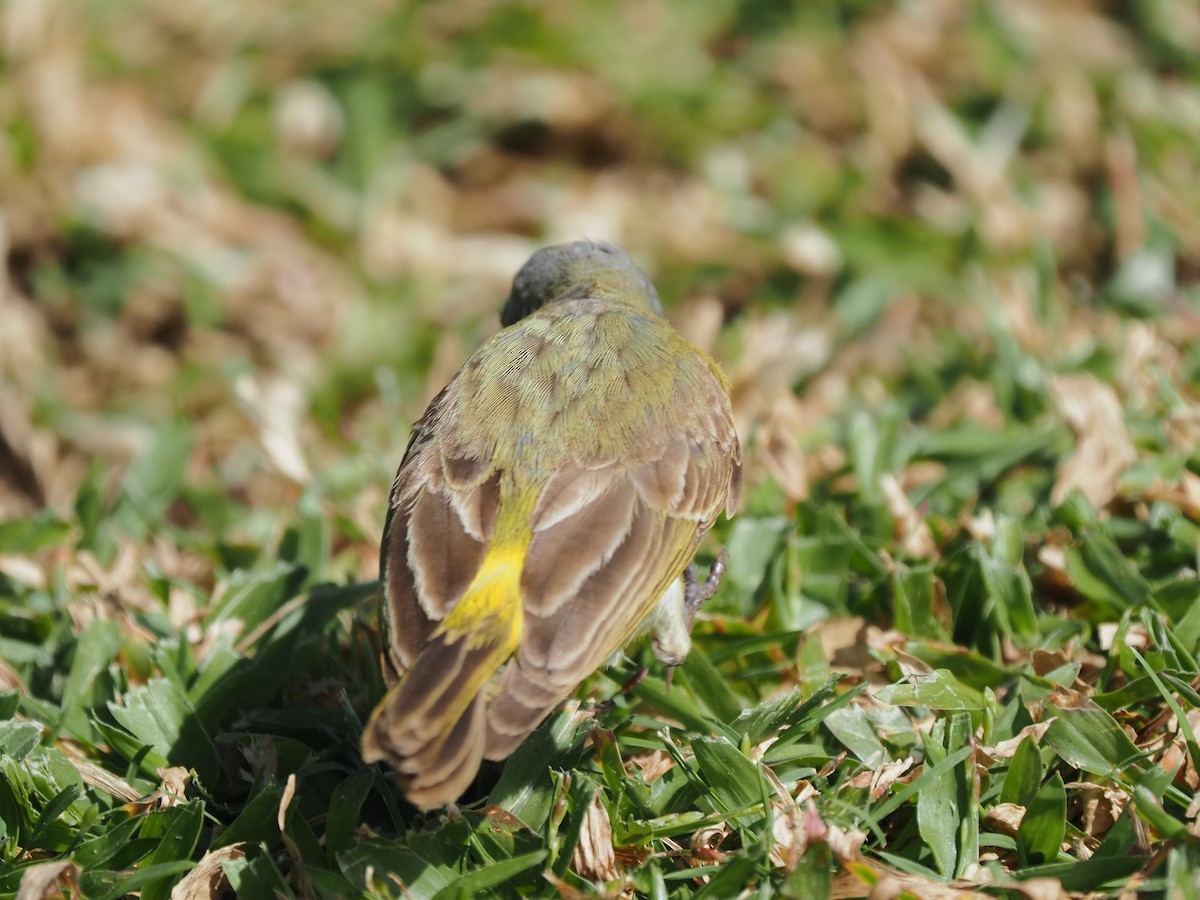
431 727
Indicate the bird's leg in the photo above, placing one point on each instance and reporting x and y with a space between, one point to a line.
696 594
634 680
627 688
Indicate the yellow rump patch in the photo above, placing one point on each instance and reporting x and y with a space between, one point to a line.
489 611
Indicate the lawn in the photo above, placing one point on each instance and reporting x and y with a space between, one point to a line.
948 254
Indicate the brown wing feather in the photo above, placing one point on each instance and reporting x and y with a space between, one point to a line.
560 558
441 516
408 626
623 547
442 554
660 481
561 651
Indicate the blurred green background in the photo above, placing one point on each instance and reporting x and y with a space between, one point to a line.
289 222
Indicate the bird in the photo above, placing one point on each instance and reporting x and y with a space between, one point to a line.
546 512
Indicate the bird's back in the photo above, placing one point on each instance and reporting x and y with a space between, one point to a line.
580 379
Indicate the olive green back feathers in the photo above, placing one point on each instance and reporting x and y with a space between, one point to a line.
550 495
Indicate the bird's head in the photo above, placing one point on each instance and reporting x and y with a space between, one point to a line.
577 270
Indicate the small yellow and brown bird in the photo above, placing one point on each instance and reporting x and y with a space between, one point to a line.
548 505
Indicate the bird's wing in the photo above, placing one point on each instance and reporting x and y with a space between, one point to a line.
440 519
609 537
437 541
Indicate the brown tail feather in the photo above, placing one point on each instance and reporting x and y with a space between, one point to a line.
447 771
431 726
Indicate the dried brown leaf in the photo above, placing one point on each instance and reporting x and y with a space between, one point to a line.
1038 889
778 448
208 880
1132 635
171 791
594 858
653 763
1046 661
1004 818
846 843
1103 449
909 526
788 833
879 781
102 779
1176 757
885 777
1183 495
1100 806
869 878
1007 748
47 881
845 641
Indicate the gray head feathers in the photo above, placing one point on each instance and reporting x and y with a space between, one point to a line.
571 271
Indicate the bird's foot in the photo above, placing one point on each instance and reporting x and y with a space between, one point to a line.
696 594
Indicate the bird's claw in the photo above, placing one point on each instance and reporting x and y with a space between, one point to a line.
696 594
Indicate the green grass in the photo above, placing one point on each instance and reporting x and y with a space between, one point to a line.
948 255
